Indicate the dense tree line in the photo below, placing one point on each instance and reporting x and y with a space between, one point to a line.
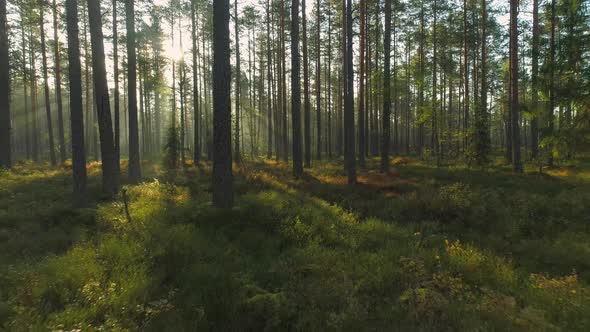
445 80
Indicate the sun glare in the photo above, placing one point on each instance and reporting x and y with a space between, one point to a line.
174 53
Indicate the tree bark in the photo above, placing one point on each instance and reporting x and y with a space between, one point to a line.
76 109
269 82
116 96
134 165
296 90
318 84
5 127
57 65
514 103
105 125
46 85
534 81
237 89
386 89
306 103
361 93
196 115
222 159
349 145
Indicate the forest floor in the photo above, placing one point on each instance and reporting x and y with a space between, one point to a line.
423 248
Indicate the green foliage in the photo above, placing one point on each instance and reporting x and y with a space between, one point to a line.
427 251
171 149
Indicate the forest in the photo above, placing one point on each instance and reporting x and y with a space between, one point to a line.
295 165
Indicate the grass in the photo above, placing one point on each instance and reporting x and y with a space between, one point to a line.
422 248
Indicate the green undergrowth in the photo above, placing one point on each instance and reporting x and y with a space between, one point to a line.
431 249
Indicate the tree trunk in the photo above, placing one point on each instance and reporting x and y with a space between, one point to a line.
534 81
269 82
76 110
116 92
361 93
237 89
105 125
5 127
57 65
296 90
306 103
285 137
222 161
25 93
318 83
196 131
514 106
386 89
46 86
134 165
349 145
466 78
550 120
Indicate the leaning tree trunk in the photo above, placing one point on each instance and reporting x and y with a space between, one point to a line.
101 93
134 166
76 109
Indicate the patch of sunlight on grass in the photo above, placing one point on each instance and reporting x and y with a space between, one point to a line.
561 172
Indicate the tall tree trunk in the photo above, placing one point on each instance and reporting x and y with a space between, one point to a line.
361 93
550 120
46 85
76 109
237 89
514 105
422 83
434 132
296 90
318 84
134 165
349 145
466 77
269 82
222 160
481 126
306 103
5 127
34 103
386 89
285 137
57 65
105 125
196 131
25 83
534 80
329 102
116 92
